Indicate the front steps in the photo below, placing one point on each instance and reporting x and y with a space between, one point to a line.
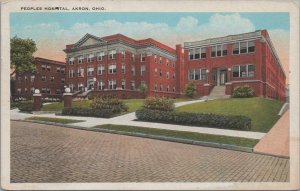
218 92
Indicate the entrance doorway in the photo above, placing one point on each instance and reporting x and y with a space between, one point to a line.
221 77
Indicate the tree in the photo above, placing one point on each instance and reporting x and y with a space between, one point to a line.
190 89
21 55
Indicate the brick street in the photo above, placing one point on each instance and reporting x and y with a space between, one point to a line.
46 153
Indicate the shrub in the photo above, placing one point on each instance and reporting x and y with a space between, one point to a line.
197 119
109 103
243 92
159 103
106 113
14 104
143 88
26 106
190 89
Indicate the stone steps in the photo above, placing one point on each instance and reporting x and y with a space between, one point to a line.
218 92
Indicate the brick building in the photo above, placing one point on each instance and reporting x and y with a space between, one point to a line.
235 60
49 78
121 65
118 64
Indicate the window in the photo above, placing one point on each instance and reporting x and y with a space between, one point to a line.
43 78
58 69
224 49
161 87
19 90
219 50
80 59
57 91
203 53
112 68
90 71
52 79
71 86
197 74
62 70
123 54
155 87
101 69
173 64
43 67
160 73
243 71
123 84
26 78
71 60
167 75
160 60
191 54
213 51
143 70
44 90
155 71
132 57
174 89
112 85
167 62
132 70
48 91
123 68
48 68
243 47
80 72
155 58
63 80
173 76
90 58
168 88
32 90
236 48
26 90
251 46
197 53
101 85
32 77
143 57
100 56
71 73
112 54
132 85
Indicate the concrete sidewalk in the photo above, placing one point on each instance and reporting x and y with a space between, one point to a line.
276 141
129 119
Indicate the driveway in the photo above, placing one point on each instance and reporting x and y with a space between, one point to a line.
47 153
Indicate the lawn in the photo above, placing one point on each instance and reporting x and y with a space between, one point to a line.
133 104
54 120
263 112
244 142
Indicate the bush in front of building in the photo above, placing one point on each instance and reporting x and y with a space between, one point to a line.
25 106
243 92
197 119
159 103
190 89
89 112
109 103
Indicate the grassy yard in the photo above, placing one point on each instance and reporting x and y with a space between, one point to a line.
263 112
133 104
184 135
54 120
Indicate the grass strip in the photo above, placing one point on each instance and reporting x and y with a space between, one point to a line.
237 141
54 120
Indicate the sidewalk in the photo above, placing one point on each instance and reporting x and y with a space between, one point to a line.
276 141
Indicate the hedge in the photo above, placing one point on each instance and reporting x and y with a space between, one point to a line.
159 103
243 92
106 113
197 119
25 106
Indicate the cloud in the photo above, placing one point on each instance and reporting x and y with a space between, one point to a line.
51 38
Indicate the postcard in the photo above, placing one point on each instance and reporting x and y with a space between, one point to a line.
150 95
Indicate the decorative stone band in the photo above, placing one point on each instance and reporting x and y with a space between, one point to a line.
37 95
67 94
206 85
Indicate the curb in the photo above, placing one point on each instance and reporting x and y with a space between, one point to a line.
156 137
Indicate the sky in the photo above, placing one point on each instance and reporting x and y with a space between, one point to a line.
52 31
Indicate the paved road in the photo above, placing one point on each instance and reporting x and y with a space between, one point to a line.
46 153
